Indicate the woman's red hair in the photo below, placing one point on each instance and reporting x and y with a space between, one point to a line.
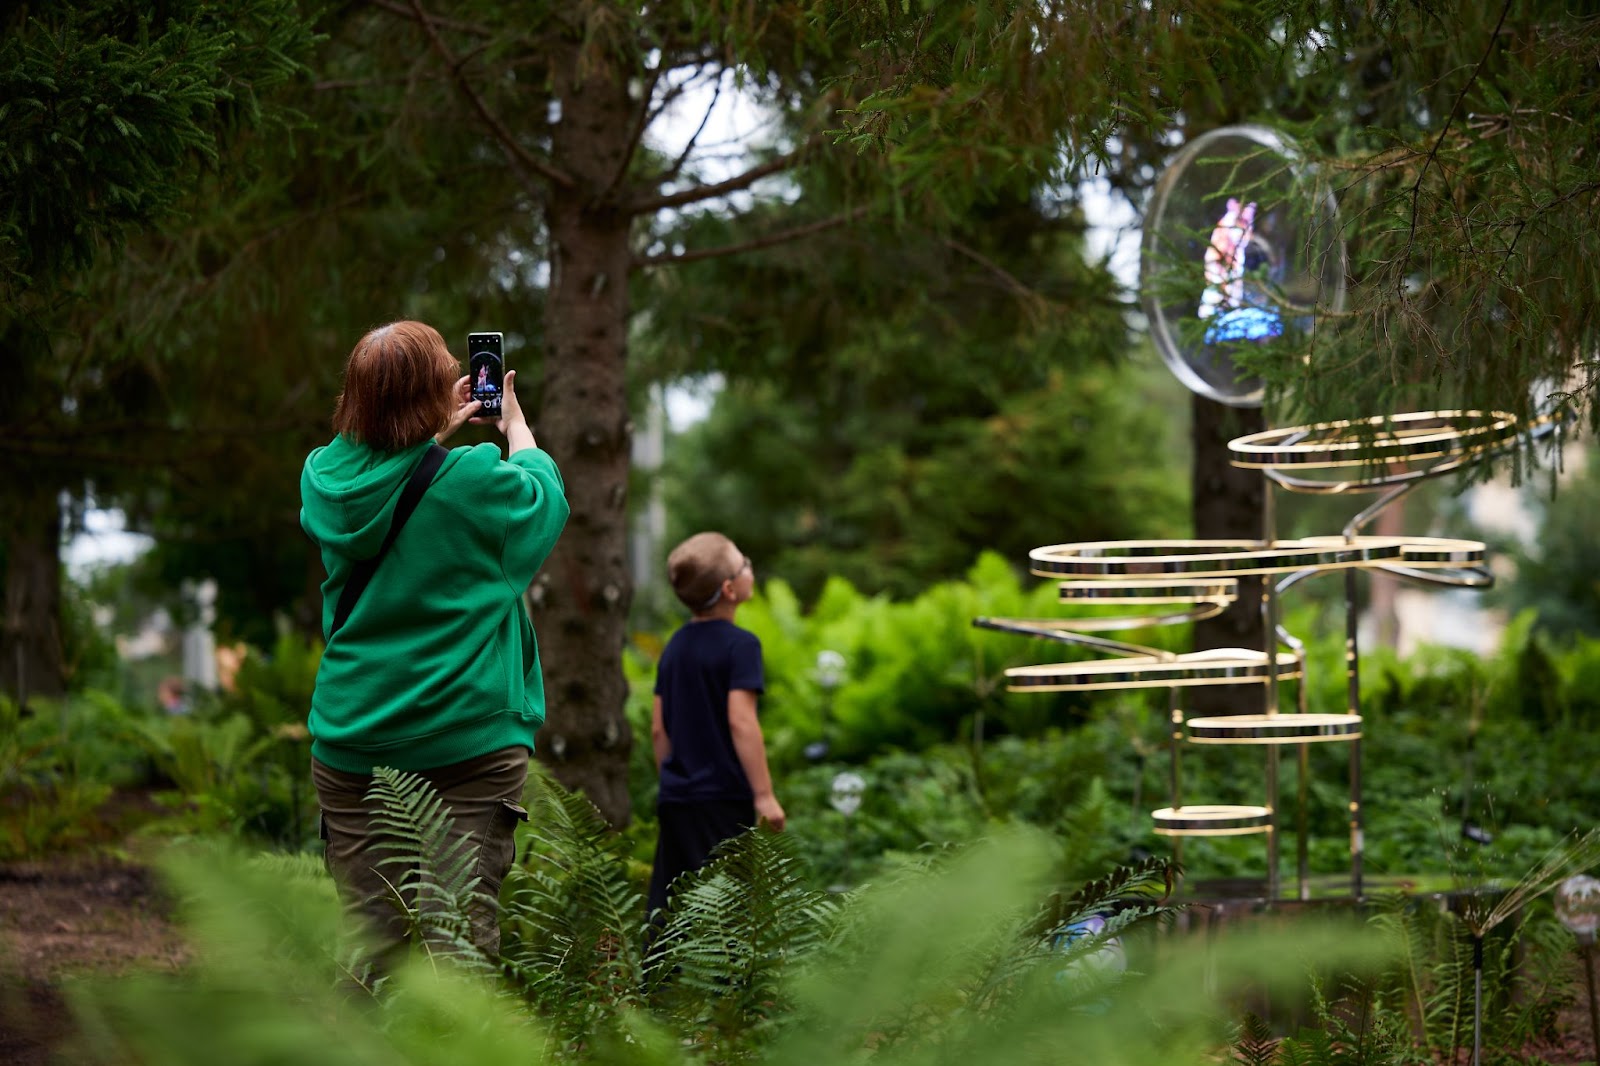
399 387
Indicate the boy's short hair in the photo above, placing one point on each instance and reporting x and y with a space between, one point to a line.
698 567
397 387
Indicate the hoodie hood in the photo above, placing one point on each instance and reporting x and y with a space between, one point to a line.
348 493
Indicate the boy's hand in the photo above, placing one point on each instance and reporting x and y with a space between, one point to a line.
768 810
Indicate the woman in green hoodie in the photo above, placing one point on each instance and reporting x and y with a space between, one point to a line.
434 669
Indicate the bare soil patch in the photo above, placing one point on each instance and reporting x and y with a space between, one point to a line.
65 916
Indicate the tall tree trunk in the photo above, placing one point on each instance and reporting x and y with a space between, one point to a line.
31 660
581 598
1229 504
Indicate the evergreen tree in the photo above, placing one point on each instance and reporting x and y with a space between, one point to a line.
1462 143
910 399
111 114
570 94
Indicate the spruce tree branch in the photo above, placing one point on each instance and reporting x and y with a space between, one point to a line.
54 435
340 85
1433 153
508 142
676 168
736 183
1009 280
673 93
435 20
1521 225
783 236
641 123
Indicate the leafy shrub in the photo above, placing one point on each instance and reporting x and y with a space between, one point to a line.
1421 1006
947 754
239 761
916 673
59 767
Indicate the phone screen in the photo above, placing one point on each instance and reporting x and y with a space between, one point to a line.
486 370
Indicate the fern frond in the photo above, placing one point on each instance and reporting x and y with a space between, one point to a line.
574 922
433 882
1137 887
419 831
1399 920
1253 1044
1310 1047
734 930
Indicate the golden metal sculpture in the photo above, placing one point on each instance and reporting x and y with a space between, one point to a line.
1242 256
1174 581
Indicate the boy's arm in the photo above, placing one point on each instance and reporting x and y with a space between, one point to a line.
658 735
752 751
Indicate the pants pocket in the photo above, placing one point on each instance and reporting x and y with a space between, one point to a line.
496 852
501 847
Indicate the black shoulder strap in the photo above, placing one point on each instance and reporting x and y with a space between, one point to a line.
362 572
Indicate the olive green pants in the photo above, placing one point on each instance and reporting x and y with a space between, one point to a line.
484 796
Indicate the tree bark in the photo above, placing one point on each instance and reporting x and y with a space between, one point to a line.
581 598
31 658
1229 503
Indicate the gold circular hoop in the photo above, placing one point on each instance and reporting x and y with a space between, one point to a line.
1212 820
1210 558
1220 666
1265 729
1403 438
1200 600
1422 552
1221 592
1221 559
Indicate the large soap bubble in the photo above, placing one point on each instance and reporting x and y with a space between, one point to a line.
1241 246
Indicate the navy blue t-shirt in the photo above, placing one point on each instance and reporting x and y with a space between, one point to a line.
701 664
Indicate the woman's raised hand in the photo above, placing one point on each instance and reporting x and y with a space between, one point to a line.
466 407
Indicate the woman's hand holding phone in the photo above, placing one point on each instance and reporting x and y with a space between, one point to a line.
511 423
466 407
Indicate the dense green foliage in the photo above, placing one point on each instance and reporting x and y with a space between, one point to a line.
968 950
970 954
234 764
115 118
920 709
973 834
947 752
891 498
1557 576
113 111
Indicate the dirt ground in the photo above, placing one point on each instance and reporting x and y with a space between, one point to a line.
69 916
1573 1041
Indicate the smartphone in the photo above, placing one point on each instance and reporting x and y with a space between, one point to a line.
486 371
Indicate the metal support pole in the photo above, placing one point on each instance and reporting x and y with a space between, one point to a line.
1302 852
1477 999
1587 946
1352 658
1352 661
1302 831
1269 618
1174 774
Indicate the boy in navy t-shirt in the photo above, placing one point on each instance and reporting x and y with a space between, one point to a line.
708 744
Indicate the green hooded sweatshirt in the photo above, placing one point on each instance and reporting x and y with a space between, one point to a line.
437 662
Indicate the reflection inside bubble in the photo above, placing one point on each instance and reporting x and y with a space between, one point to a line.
1237 304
